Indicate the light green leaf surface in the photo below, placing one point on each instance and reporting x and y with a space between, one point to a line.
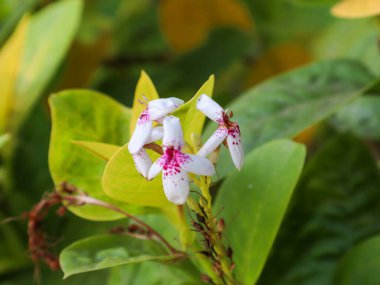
284 106
4 139
104 251
361 264
254 202
49 36
102 150
85 115
361 117
144 89
122 182
192 119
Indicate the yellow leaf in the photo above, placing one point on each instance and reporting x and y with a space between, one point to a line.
356 8
191 118
144 89
307 135
10 56
279 59
102 150
187 23
122 182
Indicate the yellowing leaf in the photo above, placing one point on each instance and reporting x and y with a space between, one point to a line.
49 37
306 136
144 89
281 58
191 118
102 150
10 56
187 23
356 8
122 182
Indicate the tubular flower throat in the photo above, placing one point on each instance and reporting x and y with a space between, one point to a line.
175 164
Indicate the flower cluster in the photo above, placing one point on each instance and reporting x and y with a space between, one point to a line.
174 163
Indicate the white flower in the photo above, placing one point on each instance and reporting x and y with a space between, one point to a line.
227 130
141 158
156 111
175 164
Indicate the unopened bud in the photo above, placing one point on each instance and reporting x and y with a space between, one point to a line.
193 205
221 225
206 278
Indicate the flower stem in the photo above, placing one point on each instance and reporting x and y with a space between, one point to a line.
211 229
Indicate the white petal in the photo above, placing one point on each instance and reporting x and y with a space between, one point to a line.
142 162
198 165
235 147
155 169
161 107
210 108
213 142
176 186
156 134
173 135
140 134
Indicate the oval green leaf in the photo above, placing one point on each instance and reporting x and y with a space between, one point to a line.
361 264
122 182
102 150
361 117
284 106
257 197
85 115
105 251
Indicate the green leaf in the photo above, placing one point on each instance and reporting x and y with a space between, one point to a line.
153 273
107 251
102 150
144 89
362 117
361 45
49 36
4 139
284 106
192 119
85 115
257 197
335 206
122 182
361 264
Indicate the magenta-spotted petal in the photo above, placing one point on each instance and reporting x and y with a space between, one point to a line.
155 169
159 108
142 162
176 186
141 132
213 142
173 136
210 108
156 134
235 147
198 165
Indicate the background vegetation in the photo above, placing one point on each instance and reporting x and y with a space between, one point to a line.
331 106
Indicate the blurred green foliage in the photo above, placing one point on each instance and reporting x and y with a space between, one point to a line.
104 45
